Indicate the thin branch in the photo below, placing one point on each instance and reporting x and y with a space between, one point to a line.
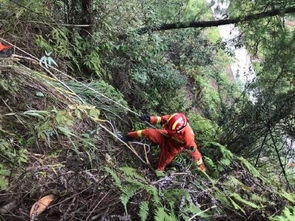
19 119
263 142
97 205
54 24
280 161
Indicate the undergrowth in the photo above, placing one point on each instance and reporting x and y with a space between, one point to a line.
59 135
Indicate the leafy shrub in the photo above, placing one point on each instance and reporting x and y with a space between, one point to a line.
205 130
162 88
69 45
165 78
165 202
11 155
103 96
288 214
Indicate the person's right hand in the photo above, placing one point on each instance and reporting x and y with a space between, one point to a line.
145 117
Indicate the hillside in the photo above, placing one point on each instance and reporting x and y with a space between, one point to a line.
55 144
77 76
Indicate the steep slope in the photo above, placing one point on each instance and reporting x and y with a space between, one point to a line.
60 137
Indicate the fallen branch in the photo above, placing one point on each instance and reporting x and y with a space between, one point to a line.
204 24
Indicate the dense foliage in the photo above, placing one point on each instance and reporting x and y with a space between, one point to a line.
61 125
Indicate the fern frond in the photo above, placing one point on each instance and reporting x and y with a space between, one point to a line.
225 152
288 214
131 172
115 177
209 163
128 191
161 215
143 210
153 190
249 166
135 182
175 195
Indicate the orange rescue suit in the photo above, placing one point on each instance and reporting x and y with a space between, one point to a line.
170 144
4 47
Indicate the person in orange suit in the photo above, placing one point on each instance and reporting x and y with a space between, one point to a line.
5 50
176 136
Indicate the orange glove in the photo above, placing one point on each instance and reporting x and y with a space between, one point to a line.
2 46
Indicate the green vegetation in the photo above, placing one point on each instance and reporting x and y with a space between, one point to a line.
60 125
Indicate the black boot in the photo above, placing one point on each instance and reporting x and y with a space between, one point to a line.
6 53
127 138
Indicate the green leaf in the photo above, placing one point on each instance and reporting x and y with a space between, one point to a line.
37 114
225 152
288 196
132 173
236 206
66 131
161 215
4 174
64 117
143 210
288 214
246 202
115 176
249 166
196 210
209 163
78 114
128 192
225 162
94 113
233 184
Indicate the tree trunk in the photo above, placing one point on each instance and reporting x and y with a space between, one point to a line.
202 24
87 17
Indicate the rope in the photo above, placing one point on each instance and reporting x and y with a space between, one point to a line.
86 86
129 147
70 77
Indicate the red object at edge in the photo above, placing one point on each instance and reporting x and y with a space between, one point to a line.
4 47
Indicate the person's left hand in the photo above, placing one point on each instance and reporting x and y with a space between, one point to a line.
145 117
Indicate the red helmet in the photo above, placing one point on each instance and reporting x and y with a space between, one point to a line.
176 123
